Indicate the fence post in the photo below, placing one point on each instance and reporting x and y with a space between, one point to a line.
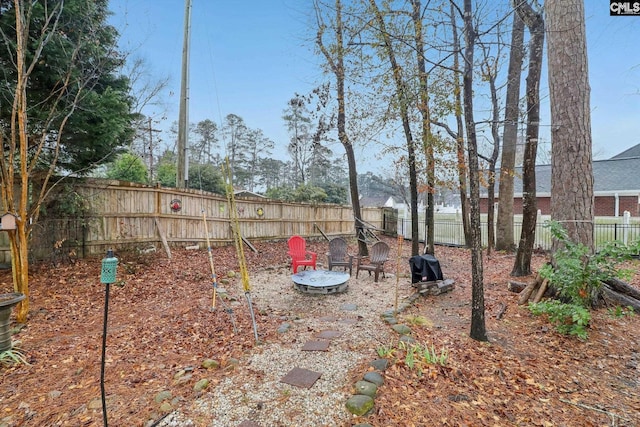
626 217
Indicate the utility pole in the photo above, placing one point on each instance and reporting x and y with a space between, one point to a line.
182 175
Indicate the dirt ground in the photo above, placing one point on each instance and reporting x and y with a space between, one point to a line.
160 322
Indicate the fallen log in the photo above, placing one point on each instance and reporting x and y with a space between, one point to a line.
516 287
541 291
501 310
623 288
528 291
616 298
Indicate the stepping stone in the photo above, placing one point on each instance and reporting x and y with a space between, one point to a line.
300 377
329 319
328 334
248 423
346 321
316 346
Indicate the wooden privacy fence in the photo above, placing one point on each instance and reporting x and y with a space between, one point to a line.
128 215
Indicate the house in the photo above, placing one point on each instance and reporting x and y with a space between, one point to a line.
616 186
247 194
446 202
377 202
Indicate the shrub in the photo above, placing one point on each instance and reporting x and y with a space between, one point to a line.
577 277
569 319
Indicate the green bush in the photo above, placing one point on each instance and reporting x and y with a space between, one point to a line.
303 193
568 319
128 167
577 276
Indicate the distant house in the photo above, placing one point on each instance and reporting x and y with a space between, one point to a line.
616 186
377 202
446 202
246 194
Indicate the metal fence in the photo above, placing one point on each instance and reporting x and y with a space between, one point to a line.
451 232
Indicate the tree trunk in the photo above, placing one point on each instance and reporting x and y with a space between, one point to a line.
20 266
337 66
460 146
504 227
413 183
572 201
402 93
18 240
355 200
535 23
495 135
427 138
478 326
491 188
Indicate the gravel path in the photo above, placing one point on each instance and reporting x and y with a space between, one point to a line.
255 396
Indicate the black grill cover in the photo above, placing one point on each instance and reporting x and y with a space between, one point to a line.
424 268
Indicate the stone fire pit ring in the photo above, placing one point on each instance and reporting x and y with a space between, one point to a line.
321 281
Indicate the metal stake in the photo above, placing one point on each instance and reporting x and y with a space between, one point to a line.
107 276
104 350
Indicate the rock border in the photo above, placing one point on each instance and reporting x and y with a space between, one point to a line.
362 402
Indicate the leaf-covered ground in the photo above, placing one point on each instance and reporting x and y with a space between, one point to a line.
160 321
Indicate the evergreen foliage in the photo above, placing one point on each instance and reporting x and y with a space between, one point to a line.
74 86
128 167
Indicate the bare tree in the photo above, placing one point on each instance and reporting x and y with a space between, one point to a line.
425 111
146 90
571 165
478 326
535 23
504 225
299 126
147 107
335 61
459 134
235 130
258 146
489 66
403 101
206 142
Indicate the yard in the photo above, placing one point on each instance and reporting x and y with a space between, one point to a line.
161 328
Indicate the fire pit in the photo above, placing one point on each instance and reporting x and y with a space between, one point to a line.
320 281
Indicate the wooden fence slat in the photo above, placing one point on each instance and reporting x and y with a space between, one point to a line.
129 214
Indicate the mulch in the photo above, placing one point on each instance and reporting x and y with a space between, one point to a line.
160 323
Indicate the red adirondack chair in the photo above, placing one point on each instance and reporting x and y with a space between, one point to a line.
299 254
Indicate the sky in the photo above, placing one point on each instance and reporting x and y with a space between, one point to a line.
250 57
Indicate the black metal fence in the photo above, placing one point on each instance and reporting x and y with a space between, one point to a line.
58 240
450 232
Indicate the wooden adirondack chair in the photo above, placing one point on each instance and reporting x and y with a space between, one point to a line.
299 254
338 255
378 255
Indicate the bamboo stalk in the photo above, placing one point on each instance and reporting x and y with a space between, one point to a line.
214 277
